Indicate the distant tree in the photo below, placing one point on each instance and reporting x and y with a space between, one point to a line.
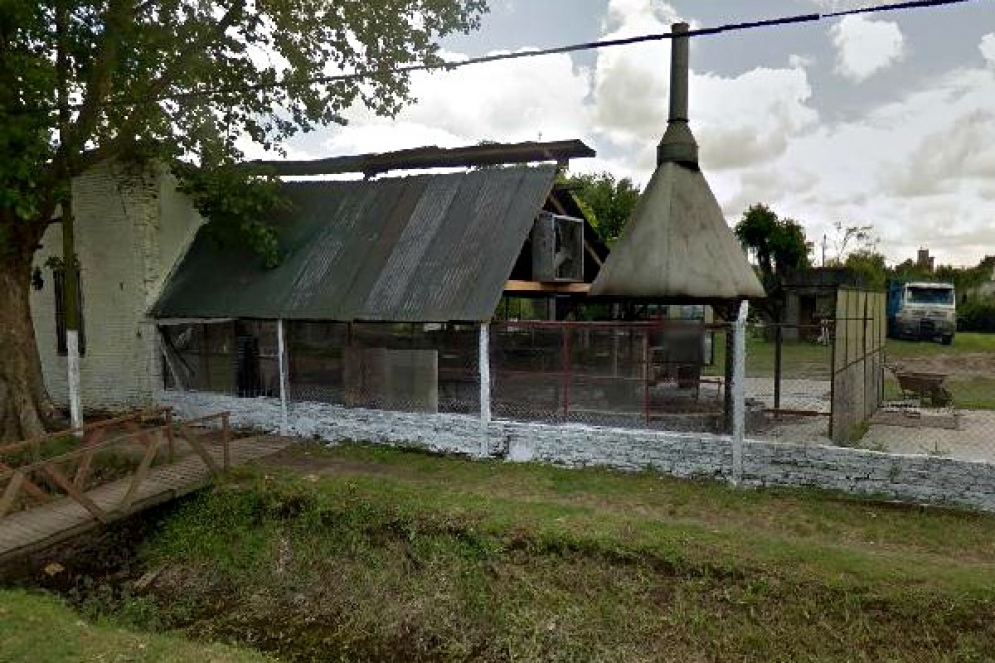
608 202
846 240
779 245
870 265
780 249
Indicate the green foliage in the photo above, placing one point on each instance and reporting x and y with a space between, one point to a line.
976 316
849 239
377 554
608 202
35 627
237 202
779 246
870 265
158 81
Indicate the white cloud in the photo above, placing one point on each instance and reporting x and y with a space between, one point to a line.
866 47
919 169
740 120
515 100
988 48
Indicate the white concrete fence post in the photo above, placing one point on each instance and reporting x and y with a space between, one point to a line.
739 392
284 377
72 365
484 369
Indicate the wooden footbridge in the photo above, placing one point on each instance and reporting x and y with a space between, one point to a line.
63 484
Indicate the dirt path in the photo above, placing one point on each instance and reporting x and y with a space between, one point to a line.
957 366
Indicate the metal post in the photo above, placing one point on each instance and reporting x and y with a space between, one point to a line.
281 349
778 348
739 393
646 375
70 280
566 373
484 365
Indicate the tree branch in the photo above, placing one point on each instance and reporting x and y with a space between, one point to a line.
98 85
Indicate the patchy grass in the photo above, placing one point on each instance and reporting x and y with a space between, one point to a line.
372 554
964 343
801 359
41 628
968 393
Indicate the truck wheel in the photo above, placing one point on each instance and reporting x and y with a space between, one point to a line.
948 340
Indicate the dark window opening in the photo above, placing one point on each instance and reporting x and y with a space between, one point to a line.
59 278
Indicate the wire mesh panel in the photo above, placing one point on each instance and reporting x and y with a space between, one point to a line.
645 375
789 380
234 357
404 367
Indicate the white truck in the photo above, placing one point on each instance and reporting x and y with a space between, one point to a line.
922 311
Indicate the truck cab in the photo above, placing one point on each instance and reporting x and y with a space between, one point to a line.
922 311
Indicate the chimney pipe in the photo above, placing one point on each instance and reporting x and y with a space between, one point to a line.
678 144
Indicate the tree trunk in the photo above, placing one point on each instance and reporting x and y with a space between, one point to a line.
24 402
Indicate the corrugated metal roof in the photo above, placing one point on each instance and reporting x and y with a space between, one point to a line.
430 248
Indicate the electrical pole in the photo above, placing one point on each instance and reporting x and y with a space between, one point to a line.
69 264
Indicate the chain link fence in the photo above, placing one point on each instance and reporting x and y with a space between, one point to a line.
658 375
233 357
403 367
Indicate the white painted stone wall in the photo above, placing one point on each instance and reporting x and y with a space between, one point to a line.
920 479
130 231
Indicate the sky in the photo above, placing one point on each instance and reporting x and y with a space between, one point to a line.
883 119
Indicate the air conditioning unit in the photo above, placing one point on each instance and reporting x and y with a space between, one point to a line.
557 248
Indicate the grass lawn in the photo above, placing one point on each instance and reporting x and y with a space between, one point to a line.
41 629
964 343
811 361
361 553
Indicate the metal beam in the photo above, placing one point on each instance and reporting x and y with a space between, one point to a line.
433 157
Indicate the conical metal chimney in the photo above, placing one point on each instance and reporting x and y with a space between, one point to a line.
677 245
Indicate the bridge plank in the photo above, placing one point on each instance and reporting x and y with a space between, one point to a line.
45 525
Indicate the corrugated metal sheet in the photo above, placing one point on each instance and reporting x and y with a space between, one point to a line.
430 248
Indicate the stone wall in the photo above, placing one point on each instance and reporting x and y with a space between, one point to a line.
919 479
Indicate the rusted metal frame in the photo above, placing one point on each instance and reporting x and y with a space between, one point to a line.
75 493
10 493
140 474
797 413
664 325
565 368
193 439
647 376
778 369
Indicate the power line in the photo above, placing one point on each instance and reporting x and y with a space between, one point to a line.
530 53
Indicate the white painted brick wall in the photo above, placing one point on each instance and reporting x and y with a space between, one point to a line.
919 479
130 230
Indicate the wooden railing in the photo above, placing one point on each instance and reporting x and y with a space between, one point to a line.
28 478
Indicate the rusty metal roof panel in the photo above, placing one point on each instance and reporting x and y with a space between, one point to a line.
430 248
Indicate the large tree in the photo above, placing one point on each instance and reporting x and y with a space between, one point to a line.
82 81
608 201
780 249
